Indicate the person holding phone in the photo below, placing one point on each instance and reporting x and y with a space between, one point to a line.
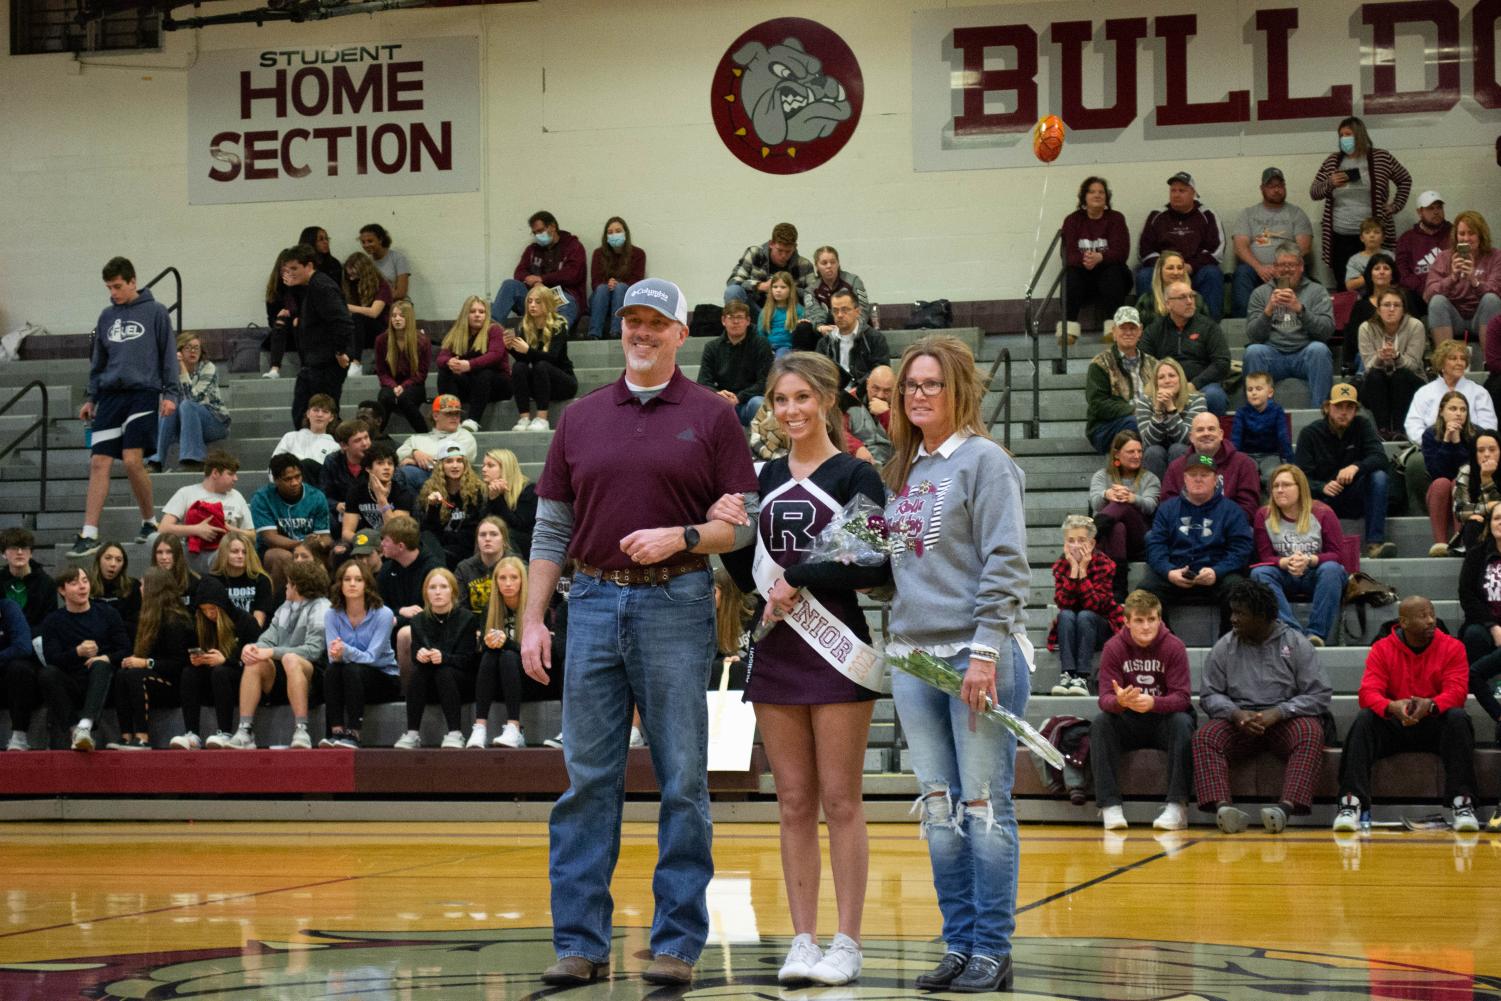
1463 289
1355 183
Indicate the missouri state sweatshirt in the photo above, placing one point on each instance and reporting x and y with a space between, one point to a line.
1159 669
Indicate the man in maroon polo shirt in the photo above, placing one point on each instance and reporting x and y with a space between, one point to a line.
632 468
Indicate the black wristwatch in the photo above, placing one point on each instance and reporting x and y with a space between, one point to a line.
690 538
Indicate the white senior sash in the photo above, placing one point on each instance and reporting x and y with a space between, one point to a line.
823 631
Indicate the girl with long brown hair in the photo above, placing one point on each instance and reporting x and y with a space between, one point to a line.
369 298
402 356
149 676
616 265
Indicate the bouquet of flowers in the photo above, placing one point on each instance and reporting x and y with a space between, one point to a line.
858 535
943 676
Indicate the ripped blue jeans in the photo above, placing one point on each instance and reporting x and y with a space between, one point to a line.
973 849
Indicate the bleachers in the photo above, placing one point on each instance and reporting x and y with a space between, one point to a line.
1058 466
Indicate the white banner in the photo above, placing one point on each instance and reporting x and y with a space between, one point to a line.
1168 80
373 119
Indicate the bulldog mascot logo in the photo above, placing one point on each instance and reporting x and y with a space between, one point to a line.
786 96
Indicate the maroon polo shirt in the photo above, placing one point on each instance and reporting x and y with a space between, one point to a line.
625 466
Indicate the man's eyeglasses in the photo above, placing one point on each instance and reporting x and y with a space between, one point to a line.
931 387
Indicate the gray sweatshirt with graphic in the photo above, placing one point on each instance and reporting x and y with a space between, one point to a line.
961 568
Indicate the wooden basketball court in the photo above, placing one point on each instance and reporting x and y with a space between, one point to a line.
401 911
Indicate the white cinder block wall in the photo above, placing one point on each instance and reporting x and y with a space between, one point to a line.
93 164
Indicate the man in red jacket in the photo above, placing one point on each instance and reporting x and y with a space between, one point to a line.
1144 698
1412 698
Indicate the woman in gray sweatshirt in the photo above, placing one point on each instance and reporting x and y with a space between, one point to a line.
960 567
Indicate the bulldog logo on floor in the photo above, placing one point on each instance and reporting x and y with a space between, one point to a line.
439 965
787 95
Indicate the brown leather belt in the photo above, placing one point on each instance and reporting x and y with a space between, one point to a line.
644 575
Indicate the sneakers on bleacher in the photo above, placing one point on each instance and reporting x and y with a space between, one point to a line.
271 373
356 370
301 740
1464 816
1348 818
83 547
346 742
83 739
1062 687
539 424
1078 685
243 740
1174 817
522 425
185 742
554 742
148 529
18 741
478 737
218 742
453 740
127 744
511 736
409 741
1113 818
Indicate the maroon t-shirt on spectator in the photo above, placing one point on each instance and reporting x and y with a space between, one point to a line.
625 466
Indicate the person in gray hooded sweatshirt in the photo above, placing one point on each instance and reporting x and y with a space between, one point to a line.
281 663
132 381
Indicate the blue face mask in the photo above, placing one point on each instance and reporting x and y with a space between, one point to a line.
543 238
616 240
1347 145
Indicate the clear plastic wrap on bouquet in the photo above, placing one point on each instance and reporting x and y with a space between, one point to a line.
943 676
856 536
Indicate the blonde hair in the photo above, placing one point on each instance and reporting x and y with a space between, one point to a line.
1185 388
1159 293
965 388
453 590
498 616
253 567
1305 500
471 487
510 469
789 317
1076 522
402 345
822 376
540 334
458 341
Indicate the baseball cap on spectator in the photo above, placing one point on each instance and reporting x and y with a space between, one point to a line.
1427 198
450 451
1183 177
1127 314
447 402
364 545
1196 461
658 294
1343 392
1272 174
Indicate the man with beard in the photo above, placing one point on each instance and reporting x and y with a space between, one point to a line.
1256 233
1346 465
630 473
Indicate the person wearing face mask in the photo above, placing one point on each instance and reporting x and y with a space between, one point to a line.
1355 183
554 259
616 265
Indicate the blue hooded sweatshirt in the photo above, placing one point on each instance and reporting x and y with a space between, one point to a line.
1214 534
134 349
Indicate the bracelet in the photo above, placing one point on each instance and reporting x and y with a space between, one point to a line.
978 652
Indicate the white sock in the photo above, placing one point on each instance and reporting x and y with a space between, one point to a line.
85 724
245 725
89 531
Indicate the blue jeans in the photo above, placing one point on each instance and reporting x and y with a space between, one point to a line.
1215 400
1080 634
603 305
651 646
413 476
747 411
1209 282
511 298
1313 363
1365 498
1325 586
974 852
194 425
1104 434
1245 282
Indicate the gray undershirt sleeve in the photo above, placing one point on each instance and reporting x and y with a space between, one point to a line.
553 530
746 534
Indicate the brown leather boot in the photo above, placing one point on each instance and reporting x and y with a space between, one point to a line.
572 971
668 970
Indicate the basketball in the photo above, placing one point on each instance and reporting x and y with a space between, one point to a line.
1047 138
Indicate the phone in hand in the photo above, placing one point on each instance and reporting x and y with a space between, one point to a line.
195 651
1352 175
1462 250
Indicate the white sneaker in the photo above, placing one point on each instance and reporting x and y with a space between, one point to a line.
469 425
185 742
510 736
477 737
1174 817
409 741
301 740
218 741
271 373
243 740
539 424
1077 685
554 742
1065 681
453 740
524 424
1113 817
18 741
355 371
638 739
801 958
1465 821
83 738
840 964
1347 820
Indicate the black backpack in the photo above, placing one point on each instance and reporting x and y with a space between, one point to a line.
705 320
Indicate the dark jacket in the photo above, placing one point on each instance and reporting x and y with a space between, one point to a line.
35 594
868 351
520 520
15 633
561 263
1321 453
453 524
402 586
740 368
455 634
1214 534
1200 347
327 329
64 630
211 591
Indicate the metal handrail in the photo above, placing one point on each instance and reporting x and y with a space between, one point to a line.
41 422
176 307
1003 405
1031 310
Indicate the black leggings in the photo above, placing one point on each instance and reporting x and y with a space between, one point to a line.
138 690
540 381
224 685
409 404
21 695
454 685
476 389
498 667
349 687
62 689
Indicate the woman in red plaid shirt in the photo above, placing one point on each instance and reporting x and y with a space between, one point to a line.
1088 613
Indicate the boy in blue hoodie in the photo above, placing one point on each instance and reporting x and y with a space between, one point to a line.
1199 544
132 380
